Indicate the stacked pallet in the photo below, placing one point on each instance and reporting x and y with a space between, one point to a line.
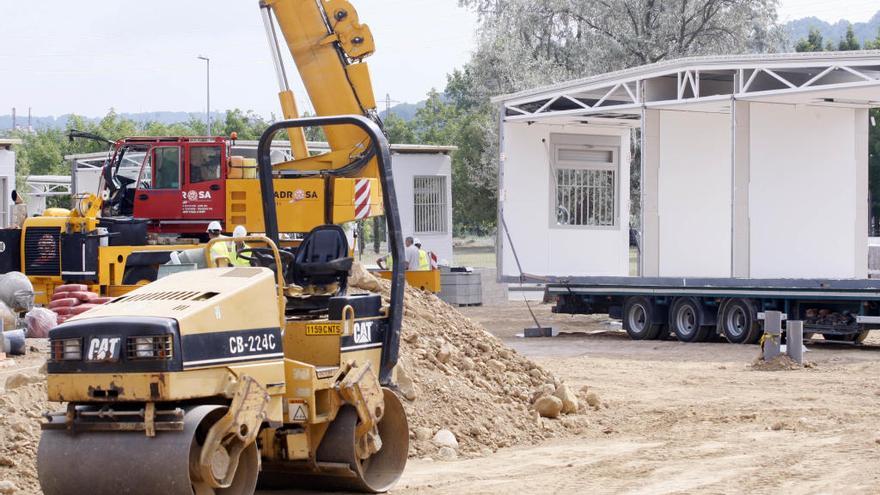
74 299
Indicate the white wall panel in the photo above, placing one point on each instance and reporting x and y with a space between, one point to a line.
803 192
694 194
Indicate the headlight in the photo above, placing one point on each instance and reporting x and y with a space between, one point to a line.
67 350
152 347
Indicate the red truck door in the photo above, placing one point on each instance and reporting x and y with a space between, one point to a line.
158 194
203 196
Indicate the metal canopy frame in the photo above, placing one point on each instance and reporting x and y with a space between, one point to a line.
621 96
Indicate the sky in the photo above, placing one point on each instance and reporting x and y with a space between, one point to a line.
85 57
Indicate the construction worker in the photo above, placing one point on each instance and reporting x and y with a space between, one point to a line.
219 250
411 254
424 257
386 262
238 246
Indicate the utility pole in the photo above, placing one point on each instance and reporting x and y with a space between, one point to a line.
30 127
208 80
13 118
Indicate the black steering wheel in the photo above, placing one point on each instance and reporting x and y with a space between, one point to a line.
265 257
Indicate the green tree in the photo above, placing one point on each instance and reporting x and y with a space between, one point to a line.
873 44
398 130
849 42
812 43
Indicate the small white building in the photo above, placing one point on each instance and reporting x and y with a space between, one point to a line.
422 180
752 167
7 179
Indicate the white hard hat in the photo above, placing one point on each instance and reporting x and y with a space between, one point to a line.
215 226
239 231
416 240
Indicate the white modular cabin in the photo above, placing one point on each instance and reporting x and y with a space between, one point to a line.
751 167
7 179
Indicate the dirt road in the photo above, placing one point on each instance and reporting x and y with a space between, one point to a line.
683 418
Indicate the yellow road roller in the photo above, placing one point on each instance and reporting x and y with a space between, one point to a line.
220 380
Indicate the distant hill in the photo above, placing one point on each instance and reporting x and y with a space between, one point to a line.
60 122
406 111
800 28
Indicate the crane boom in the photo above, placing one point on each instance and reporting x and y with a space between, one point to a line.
328 44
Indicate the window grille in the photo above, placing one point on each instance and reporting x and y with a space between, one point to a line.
585 186
431 204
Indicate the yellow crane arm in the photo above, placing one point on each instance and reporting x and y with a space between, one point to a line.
328 44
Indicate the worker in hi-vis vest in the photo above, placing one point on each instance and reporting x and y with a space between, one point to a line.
220 250
237 246
424 258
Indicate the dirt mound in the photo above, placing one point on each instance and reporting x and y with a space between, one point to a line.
22 401
779 363
467 381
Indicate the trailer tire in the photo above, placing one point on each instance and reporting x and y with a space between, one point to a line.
638 319
738 321
687 319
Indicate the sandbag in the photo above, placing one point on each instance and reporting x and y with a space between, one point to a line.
60 295
63 311
71 288
82 308
83 295
7 316
16 291
63 303
101 300
39 321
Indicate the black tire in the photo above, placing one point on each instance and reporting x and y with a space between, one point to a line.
687 319
140 274
738 322
638 319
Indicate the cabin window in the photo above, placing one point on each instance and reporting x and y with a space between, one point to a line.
431 204
584 179
167 168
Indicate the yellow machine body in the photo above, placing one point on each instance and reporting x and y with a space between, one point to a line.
279 398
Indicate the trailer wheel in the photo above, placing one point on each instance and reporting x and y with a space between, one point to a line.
687 320
638 319
738 322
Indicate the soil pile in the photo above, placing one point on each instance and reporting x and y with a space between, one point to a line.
454 375
780 363
22 401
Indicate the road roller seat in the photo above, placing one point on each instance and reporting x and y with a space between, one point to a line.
322 259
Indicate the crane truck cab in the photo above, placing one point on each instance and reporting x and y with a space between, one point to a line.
177 183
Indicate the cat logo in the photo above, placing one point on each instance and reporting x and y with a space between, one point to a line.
363 332
103 349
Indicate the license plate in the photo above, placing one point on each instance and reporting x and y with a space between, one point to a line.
103 349
321 329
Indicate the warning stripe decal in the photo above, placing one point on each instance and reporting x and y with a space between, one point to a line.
362 190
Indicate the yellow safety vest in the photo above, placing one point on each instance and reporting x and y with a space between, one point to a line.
220 250
234 260
424 261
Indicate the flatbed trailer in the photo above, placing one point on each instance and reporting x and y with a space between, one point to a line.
694 309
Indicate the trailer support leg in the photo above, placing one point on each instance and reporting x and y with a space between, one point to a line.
772 334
